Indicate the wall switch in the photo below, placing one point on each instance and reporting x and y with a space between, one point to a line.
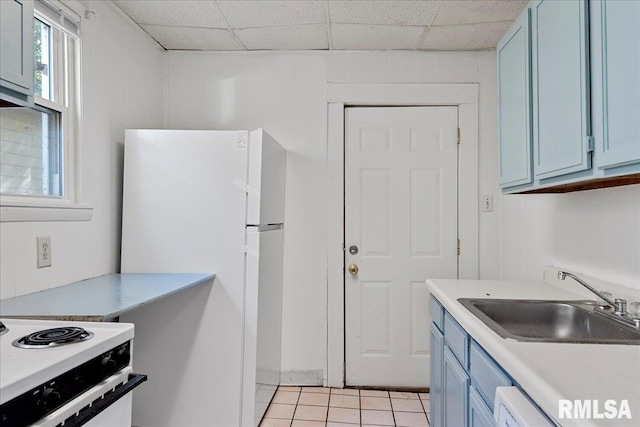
487 203
44 251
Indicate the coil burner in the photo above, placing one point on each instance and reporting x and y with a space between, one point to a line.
53 337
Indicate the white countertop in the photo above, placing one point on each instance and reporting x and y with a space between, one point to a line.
548 372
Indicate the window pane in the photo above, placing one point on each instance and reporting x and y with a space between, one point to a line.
31 154
42 59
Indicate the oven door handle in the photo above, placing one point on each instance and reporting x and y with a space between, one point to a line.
89 413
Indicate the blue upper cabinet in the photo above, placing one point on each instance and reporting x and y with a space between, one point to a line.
615 47
561 105
514 95
16 48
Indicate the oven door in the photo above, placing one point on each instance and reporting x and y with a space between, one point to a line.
107 404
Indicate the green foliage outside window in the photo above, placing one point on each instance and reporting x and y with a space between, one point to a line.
41 58
37 57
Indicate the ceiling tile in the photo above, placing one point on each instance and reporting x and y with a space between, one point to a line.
352 36
186 38
465 37
300 37
173 13
401 12
248 14
355 24
454 12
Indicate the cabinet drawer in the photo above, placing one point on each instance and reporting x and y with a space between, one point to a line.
456 338
485 374
436 312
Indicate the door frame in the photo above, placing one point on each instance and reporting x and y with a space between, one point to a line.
341 95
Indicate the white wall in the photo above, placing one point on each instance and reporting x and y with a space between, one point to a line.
122 77
285 94
596 233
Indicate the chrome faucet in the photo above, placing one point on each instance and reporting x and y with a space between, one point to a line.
619 305
618 308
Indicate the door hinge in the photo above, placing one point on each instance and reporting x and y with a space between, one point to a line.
458 135
590 144
458 246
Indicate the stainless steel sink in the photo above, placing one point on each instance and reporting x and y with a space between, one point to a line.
550 321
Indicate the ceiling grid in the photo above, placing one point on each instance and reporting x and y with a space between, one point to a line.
227 25
328 20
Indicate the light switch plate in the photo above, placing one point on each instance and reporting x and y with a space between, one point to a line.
44 251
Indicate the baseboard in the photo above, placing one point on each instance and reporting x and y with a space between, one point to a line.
307 378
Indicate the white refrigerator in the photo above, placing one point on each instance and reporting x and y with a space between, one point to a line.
210 202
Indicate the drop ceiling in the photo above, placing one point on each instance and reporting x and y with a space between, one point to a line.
324 24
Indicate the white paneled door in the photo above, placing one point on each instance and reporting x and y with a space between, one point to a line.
401 210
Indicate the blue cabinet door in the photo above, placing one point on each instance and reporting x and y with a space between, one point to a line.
479 413
514 103
455 383
436 366
615 39
16 54
561 104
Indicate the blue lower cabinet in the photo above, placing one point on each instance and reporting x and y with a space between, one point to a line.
464 378
486 375
435 387
455 383
479 413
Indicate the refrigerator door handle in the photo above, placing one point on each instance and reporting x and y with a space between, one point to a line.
267 227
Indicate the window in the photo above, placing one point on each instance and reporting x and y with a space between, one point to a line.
39 144
31 151
41 59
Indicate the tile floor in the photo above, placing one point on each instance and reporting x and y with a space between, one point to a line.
334 407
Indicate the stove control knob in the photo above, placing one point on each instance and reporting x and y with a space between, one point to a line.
123 355
108 365
49 400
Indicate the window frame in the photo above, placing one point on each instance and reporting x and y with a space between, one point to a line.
66 94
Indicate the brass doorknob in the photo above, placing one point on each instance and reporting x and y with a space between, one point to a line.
353 269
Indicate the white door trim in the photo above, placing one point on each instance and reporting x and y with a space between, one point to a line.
465 96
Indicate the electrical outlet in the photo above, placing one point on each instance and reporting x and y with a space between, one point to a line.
487 203
44 251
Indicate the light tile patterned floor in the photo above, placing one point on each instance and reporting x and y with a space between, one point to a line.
335 407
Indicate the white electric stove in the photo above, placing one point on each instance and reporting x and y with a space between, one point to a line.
56 373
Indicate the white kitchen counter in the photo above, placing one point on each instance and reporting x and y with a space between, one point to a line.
548 372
